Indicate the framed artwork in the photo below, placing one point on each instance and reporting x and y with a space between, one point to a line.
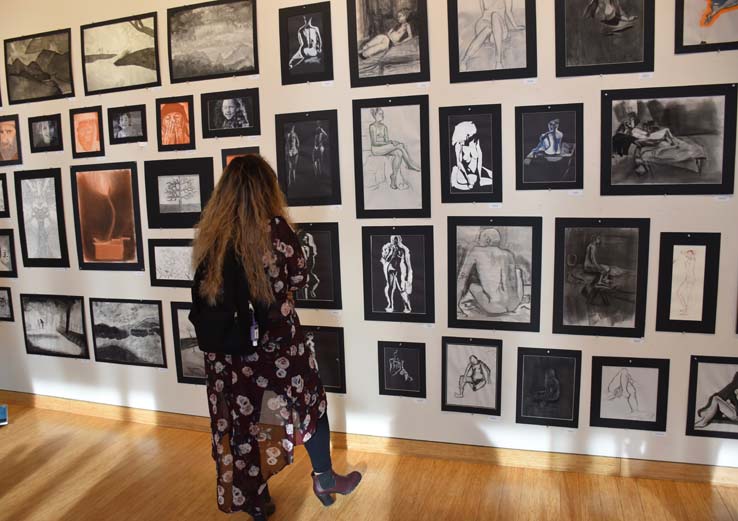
170 263
548 387
492 41
107 220
471 375
212 40
711 403
604 37
669 140
230 113
175 123
471 154
45 133
306 43
307 157
327 345
11 152
187 355
494 272
177 190
549 147
388 42
689 264
629 393
128 332
320 246
120 54
601 271
8 262
4 202
54 325
87 130
402 369
398 273
40 206
706 26
39 67
127 125
229 154
392 157
6 305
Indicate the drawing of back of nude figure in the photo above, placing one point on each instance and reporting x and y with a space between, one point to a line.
398 273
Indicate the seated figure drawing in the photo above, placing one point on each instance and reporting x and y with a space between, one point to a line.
476 375
492 27
720 406
383 146
310 43
468 172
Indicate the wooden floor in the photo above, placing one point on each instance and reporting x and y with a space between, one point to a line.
59 467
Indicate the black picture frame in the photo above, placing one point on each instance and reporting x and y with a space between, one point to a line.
607 187
302 296
362 212
191 145
418 391
42 262
683 48
5 208
523 151
235 152
531 67
644 65
12 273
332 383
9 299
169 282
603 294
573 356
324 10
153 170
420 19
446 343
115 112
173 12
662 399
77 154
144 57
177 336
294 198
19 150
54 147
535 224
254 119
446 116
76 337
714 391
711 243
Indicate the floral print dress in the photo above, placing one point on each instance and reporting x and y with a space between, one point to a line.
263 404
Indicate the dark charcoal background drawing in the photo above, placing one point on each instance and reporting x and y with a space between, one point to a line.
543 378
38 67
328 355
397 358
713 378
309 65
306 184
54 325
416 245
127 333
319 252
46 134
484 123
542 171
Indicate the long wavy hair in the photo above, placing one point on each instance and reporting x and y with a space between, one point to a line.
237 216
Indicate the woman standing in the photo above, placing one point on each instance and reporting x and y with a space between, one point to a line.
263 400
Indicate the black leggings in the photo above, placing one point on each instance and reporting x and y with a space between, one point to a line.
319 446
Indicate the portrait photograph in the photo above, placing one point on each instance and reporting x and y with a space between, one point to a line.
6 306
230 113
170 263
187 355
711 402
320 247
177 190
45 133
4 202
392 157
212 40
326 344
307 158
54 325
706 26
229 154
669 140
306 45
127 125
471 375
8 261
601 271
398 273
549 151
492 40
388 42
120 54
402 369
10 142
87 132
175 124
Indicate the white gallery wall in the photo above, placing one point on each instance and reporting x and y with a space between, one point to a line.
362 410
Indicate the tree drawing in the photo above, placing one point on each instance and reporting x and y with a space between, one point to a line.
180 188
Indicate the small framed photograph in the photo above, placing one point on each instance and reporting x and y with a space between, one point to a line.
45 133
471 154
40 206
629 393
392 157
548 387
398 273
689 264
402 369
549 147
705 26
228 154
322 255
87 130
230 113
306 44
713 385
127 125
170 263
327 345
175 123
8 261
177 190
54 325
187 355
471 375
4 201
6 305
11 152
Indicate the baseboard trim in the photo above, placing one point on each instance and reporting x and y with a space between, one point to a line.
603 465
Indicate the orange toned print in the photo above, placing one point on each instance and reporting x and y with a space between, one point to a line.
86 135
715 9
175 123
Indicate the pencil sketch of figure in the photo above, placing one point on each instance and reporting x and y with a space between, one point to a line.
623 386
715 9
687 275
469 171
320 144
721 406
684 291
397 367
310 43
476 376
310 251
629 392
293 154
493 26
40 218
610 14
382 145
381 43
398 273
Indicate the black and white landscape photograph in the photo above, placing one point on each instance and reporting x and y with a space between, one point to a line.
54 325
